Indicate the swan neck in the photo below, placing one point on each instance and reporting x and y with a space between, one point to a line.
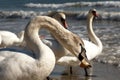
42 54
91 34
33 41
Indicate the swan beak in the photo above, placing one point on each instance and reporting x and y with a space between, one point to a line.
65 24
96 15
85 64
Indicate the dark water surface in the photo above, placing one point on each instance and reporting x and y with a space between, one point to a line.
100 71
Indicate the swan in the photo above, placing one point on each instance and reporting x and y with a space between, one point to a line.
94 43
64 57
19 65
8 38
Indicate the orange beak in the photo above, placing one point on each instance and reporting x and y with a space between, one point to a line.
95 14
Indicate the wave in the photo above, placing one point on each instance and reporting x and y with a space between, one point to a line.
19 14
102 15
75 4
76 15
39 5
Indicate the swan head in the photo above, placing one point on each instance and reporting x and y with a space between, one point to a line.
61 17
92 13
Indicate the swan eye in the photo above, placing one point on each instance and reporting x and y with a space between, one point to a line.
62 19
94 12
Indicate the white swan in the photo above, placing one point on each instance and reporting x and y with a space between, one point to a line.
93 47
94 43
8 38
18 65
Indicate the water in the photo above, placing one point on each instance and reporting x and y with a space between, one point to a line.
15 14
29 8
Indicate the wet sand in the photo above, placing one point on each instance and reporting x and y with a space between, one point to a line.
100 71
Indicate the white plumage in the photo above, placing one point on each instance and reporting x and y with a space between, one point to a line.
17 64
8 39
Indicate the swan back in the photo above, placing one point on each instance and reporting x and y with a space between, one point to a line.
92 50
8 38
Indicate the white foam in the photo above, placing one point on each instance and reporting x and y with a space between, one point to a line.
19 14
52 5
81 15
